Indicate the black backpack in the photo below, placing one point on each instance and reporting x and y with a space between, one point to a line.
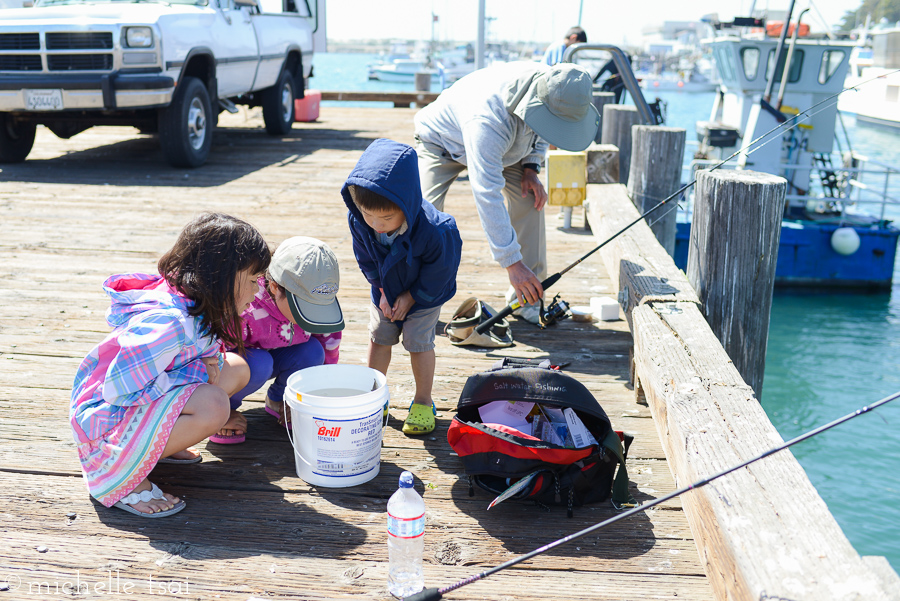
495 459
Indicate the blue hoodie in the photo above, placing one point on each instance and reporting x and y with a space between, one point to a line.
424 258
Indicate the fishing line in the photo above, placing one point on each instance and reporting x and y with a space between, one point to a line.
433 594
752 147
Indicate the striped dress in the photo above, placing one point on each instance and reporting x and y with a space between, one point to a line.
132 387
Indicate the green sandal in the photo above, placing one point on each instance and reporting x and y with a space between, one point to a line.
420 420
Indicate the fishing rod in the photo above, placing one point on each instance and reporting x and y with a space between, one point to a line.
433 594
794 121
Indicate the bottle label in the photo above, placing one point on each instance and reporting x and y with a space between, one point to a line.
406 527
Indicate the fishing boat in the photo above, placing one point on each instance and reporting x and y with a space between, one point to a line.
835 232
445 67
877 101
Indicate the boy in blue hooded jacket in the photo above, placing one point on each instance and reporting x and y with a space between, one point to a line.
409 252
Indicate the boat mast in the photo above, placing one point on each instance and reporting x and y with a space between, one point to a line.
767 96
479 44
787 62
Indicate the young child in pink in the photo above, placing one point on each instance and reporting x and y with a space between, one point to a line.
294 322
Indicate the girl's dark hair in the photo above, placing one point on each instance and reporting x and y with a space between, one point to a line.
367 200
203 266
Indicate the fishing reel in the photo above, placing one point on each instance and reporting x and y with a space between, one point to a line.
557 310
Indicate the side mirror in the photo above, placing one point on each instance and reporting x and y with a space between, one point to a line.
248 3
28 4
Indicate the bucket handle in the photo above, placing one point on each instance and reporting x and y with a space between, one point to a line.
294 446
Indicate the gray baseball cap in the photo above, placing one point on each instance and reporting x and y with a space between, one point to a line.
559 107
308 271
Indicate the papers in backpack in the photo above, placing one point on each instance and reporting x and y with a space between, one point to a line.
554 433
552 427
508 413
581 436
516 487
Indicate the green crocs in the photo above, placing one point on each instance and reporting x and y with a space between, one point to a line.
420 420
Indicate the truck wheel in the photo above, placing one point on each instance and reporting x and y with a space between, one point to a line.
16 139
278 104
185 127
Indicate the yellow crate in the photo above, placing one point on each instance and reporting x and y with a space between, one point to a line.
566 177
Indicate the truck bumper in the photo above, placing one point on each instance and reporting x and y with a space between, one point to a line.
107 91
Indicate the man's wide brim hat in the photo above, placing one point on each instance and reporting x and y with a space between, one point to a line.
559 107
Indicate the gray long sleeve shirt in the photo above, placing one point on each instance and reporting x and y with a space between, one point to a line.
473 121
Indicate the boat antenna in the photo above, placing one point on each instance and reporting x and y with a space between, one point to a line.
752 147
433 594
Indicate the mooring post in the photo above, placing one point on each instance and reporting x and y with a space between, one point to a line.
735 230
616 129
423 81
601 99
657 153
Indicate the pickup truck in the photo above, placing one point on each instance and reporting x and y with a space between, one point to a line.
164 66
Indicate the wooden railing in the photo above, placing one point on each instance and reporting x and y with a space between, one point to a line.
400 99
763 531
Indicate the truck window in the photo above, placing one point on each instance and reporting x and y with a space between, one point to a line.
300 7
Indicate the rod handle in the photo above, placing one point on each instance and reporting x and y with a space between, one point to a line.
485 326
428 594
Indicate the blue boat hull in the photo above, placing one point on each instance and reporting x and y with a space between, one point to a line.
806 258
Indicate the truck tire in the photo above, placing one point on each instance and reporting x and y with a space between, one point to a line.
16 139
185 126
278 104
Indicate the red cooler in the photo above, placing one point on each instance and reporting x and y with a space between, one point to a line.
307 108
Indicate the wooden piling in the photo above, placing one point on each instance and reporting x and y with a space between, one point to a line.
616 129
423 81
657 154
735 229
601 99
602 164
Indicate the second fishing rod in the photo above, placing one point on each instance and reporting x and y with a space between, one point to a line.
787 124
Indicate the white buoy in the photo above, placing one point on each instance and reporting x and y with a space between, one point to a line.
845 241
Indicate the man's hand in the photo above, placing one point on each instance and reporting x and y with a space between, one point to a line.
385 306
530 182
402 306
526 284
212 368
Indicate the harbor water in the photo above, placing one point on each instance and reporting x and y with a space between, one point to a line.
829 353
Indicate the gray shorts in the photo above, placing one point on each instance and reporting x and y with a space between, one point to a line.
418 329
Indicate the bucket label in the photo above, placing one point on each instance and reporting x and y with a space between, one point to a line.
406 527
347 447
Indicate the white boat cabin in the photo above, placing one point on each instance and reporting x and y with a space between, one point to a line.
745 66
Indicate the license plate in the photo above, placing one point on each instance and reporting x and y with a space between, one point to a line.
43 100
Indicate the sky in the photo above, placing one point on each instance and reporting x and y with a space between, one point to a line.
616 22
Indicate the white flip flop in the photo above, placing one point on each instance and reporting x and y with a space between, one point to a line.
147 495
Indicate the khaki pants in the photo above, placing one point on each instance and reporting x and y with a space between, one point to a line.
437 171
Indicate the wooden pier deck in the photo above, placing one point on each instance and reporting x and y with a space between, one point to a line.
105 202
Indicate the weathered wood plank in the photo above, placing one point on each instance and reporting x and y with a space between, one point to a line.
398 98
233 572
641 269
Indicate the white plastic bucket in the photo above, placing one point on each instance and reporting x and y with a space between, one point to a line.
337 416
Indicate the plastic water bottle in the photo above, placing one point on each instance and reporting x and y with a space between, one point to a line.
406 539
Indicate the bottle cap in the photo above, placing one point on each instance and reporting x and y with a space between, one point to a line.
406 480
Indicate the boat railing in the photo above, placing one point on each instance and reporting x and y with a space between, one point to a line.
844 182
